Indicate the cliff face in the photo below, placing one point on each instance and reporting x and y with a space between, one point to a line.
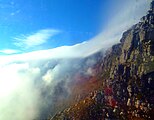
136 48
127 75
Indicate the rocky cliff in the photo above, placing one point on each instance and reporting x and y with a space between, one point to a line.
136 48
127 75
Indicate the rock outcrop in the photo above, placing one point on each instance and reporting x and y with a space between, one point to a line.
136 47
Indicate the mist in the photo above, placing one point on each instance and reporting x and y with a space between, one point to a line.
31 84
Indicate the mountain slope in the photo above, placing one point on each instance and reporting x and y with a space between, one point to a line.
127 77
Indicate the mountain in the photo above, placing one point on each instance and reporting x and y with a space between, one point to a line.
123 81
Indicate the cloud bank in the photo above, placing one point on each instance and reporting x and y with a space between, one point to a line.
31 83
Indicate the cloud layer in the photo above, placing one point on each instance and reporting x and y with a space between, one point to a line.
18 95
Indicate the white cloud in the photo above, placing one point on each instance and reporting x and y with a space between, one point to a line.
8 51
36 39
48 77
17 92
130 13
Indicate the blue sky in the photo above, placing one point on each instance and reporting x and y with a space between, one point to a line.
44 24
76 20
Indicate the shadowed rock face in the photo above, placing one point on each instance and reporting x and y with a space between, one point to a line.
136 47
152 6
127 75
